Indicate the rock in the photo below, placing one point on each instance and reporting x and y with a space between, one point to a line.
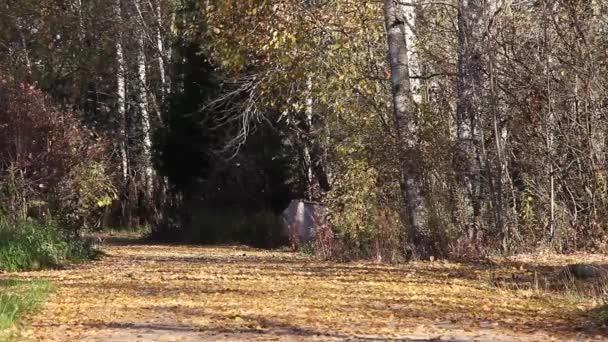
302 219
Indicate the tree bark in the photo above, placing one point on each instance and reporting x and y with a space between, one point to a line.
145 122
161 51
467 159
308 111
409 18
121 95
405 115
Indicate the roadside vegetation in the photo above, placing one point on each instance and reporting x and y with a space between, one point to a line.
18 298
53 183
29 245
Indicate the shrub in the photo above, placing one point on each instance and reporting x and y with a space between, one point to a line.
30 245
363 214
83 193
49 161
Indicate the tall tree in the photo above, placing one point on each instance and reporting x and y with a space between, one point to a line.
470 105
121 113
144 122
405 116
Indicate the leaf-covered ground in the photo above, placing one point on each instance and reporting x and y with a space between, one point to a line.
185 293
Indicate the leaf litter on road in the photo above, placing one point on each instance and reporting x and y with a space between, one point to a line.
153 293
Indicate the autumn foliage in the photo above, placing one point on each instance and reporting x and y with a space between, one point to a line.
50 163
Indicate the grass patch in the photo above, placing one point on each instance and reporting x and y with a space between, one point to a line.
307 249
18 298
30 245
600 315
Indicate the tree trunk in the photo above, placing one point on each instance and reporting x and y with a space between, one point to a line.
307 137
145 122
405 115
409 18
121 96
467 159
82 63
161 52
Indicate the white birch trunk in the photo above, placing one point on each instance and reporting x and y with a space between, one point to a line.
409 18
161 51
81 41
307 153
470 162
80 22
405 114
145 122
471 26
121 95
551 152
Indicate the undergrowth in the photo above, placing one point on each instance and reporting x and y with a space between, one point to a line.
262 229
581 283
31 245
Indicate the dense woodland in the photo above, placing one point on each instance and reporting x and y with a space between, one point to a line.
444 128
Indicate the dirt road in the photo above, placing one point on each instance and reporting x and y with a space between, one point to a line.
182 293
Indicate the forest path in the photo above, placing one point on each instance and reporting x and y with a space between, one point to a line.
185 293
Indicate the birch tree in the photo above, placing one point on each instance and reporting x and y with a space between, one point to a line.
164 87
145 123
404 109
470 105
121 114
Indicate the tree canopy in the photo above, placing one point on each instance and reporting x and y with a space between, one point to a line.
426 128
